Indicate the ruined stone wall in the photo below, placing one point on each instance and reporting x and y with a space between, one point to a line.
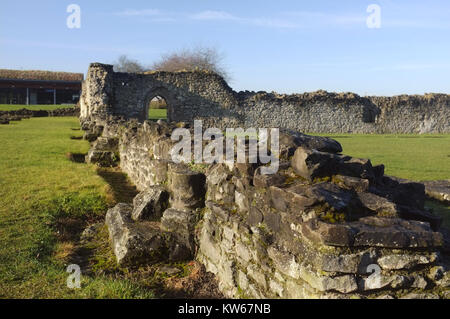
206 96
308 231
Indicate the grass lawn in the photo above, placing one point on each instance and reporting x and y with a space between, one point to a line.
44 197
15 107
156 114
415 157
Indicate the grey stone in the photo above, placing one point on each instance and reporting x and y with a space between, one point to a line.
180 224
405 261
150 204
419 282
133 243
267 180
439 190
254 217
187 189
310 164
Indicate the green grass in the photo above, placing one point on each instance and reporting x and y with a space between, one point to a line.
156 114
15 107
415 157
45 199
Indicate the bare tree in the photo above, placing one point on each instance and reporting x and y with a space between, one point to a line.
125 64
192 59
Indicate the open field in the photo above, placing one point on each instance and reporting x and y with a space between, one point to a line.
46 200
415 157
15 107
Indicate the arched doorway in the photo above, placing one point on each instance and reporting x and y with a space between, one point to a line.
157 108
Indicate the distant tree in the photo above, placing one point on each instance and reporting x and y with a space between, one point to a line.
192 59
125 64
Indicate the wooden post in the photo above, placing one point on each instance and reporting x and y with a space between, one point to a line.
54 96
28 96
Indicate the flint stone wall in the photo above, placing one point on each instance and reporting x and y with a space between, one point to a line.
206 96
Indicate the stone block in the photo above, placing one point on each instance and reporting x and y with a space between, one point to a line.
150 204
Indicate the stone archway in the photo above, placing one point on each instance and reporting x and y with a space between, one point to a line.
162 93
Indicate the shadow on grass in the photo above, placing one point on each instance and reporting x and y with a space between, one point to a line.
76 157
121 190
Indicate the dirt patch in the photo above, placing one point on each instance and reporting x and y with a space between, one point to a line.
198 284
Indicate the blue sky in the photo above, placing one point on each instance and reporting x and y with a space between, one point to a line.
284 46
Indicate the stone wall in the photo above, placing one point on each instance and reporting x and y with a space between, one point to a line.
325 225
206 96
17 115
318 228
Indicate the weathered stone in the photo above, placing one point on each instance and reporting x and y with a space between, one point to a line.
395 233
150 204
257 276
219 184
272 220
444 281
243 252
325 196
380 281
419 282
276 288
355 183
242 201
355 167
218 211
267 180
284 262
402 192
289 140
420 215
439 190
254 216
102 158
242 280
328 234
310 164
372 232
347 263
133 244
404 261
378 204
187 189
343 284
436 273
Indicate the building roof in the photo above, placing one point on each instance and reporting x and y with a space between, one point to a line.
37 75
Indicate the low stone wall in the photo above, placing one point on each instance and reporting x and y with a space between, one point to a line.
6 116
325 226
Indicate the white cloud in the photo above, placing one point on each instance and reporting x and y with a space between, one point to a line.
213 15
143 12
